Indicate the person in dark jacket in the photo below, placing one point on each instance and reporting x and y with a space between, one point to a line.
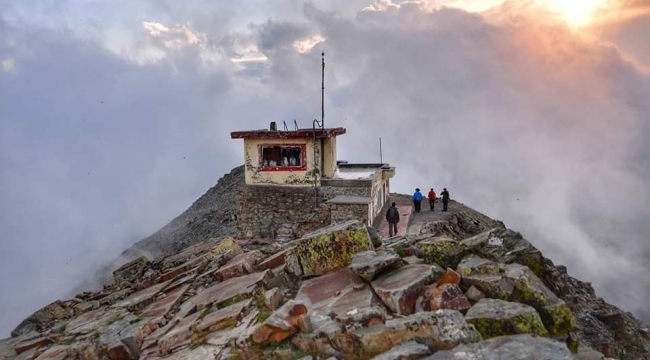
392 216
432 198
417 200
445 199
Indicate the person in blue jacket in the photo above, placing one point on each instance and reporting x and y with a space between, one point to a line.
417 200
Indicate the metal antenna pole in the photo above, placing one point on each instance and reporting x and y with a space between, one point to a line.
381 158
322 99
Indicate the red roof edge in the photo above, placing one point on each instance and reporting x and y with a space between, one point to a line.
295 134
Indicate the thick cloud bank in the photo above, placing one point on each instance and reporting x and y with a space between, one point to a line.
108 133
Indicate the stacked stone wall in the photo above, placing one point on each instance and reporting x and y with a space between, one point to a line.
267 211
344 212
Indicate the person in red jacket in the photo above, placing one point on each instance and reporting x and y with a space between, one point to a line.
432 198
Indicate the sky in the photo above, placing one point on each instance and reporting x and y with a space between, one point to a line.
115 116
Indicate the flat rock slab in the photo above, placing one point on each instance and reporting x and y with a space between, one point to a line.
223 318
273 261
332 247
141 298
493 317
369 264
400 289
131 271
519 347
219 293
410 350
411 260
164 306
442 329
343 296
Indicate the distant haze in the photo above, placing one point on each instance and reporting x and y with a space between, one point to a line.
115 116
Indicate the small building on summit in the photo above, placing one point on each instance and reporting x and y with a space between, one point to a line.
294 184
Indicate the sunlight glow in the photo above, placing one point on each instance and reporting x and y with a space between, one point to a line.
577 12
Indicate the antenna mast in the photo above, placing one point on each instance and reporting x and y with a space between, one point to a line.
322 99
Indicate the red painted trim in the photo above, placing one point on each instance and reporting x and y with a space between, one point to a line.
298 134
303 160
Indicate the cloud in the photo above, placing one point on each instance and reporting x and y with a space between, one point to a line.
106 137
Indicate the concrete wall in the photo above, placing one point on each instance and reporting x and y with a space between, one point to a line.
321 159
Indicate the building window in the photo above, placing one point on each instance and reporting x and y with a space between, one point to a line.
282 157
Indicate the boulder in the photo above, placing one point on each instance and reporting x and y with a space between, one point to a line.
273 298
223 318
283 323
474 294
517 347
332 247
273 261
410 350
558 318
493 317
473 265
493 286
240 265
411 260
442 251
446 296
449 277
369 264
43 318
442 329
400 289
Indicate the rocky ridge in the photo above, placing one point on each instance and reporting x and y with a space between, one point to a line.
465 287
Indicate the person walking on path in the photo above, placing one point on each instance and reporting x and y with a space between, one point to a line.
417 200
432 198
445 199
392 216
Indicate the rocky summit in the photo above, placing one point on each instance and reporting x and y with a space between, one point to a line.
460 286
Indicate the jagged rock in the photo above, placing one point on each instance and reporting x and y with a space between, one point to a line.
442 251
518 347
410 350
43 318
240 265
131 271
141 298
493 317
558 318
446 296
281 324
374 237
30 344
57 352
442 329
327 337
292 262
400 289
178 271
368 264
449 277
85 307
273 299
343 296
474 294
332 247
473 265
493 286
588 354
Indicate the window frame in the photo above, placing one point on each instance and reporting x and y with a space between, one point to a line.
303 158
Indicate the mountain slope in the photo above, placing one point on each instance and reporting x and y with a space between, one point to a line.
211 216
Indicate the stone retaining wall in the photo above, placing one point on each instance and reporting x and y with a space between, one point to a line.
269 212
344 212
